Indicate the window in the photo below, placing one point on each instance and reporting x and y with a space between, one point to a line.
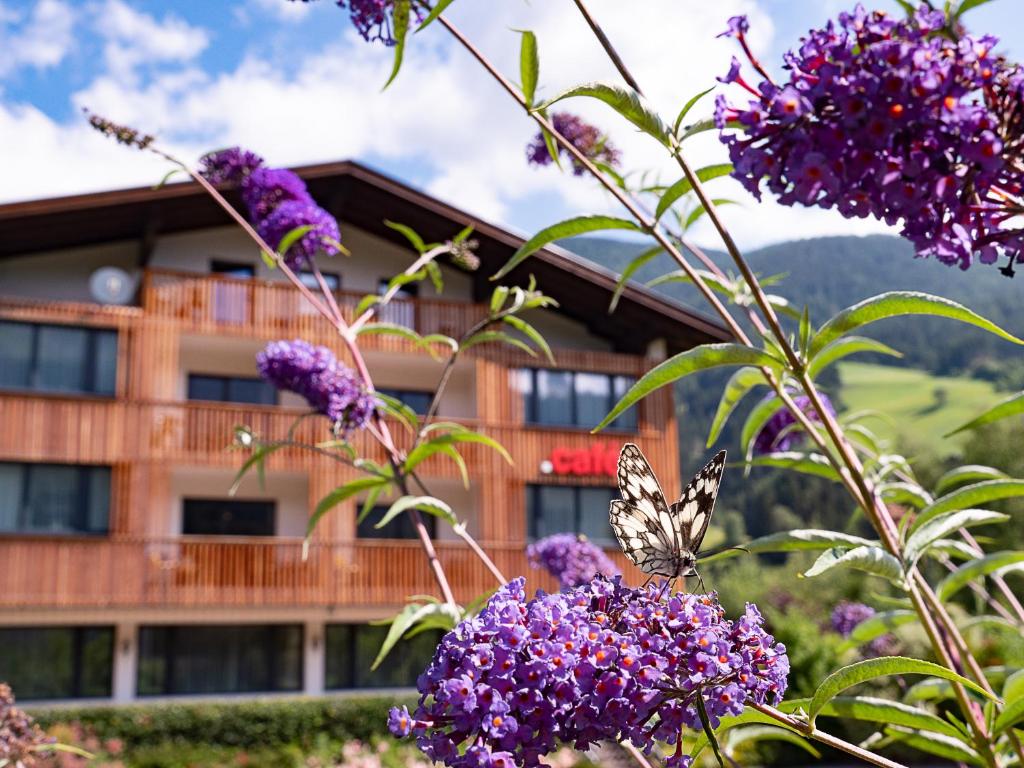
332 280
232 269
228 517
54 498
57 662
231 389
400 527
351 648
574 398
569 509
230 658
418 400
58 358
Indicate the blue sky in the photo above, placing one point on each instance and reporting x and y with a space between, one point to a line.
294 82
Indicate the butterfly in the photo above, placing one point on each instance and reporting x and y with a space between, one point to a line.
657 538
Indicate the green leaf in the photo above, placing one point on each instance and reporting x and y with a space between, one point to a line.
428 448
687 107
569 228
410 234
489 337
427 504
1009 717
795 541
439 7
970 496
1013 686
843 347
699 211
423 342
873 560
291 237
709 732
873 710
756 733
897 304
167 177
628 272
679 366
885 666
498 298
706 124
876 626
945 524
395 408
755 422
408 618
716 283
532 334
967 473
905 493
967 5
684 186
739 384
806 463
747 717
1012 406
977 568
400 27
529 65
259 456
370 502
627 102
941 745
340 494
460 463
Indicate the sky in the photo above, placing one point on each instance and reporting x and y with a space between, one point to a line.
294 82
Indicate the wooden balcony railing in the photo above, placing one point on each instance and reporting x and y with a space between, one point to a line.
209 571
219 304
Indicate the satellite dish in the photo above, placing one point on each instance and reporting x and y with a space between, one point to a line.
111 285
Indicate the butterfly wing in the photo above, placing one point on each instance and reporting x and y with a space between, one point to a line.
641 520
692 513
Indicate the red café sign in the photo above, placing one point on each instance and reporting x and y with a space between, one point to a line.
599 459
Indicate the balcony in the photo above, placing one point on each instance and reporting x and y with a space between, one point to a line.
239 572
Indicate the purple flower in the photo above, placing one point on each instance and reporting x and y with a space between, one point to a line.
374 19
595 662
846 616
571 559
315 373
229 166
400 721
781 431
880 116
587 139
265 188
738 26
289 215
20 737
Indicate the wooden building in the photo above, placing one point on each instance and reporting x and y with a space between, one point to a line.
126 570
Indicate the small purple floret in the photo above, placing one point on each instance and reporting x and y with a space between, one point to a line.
586 138
229 166
572 559
291 214
266 188
780 432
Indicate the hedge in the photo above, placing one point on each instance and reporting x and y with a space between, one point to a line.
244 724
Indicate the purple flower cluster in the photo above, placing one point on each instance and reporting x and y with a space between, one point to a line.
20 738
781 432
374 19
587 139
891 118
846 616
601 661
278 202
328 386
573 560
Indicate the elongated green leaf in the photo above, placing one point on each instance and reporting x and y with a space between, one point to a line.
372 496
460 463
1013 687
422 342
873 710
532 334
529 65
878 625
1009 717
944 524
428 448
967 5
400 28
687 107
1012 406
257 460
578 225
795 541
628 272
970 496
755 733
905 493
705 124
848 345
395 408
755 422
340 494
683 186
439 7
626 102
291 237
427 504
747 717
440 614
498 298
695 215
896 304
491 337
739 384
873 560
805 463
709 732
975 569
966 474
885 666
409 233
941 745
679 366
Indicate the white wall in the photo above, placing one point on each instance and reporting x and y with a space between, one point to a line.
63 275
421 372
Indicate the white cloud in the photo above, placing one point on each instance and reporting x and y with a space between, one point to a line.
133 38
282 10
40 40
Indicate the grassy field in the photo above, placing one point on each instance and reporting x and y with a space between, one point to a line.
922 407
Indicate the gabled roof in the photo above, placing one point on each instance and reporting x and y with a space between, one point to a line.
365 198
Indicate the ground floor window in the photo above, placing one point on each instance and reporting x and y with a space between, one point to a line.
232 658
351 649
400 527
569 509
57 662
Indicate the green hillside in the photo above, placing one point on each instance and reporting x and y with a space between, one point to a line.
922 407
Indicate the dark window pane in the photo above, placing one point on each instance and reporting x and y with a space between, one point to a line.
552 510
51 498
97 499
417 400
255 391
232 269
554 397
228 517
11 478
593 396
593 514
205 387
105 363
54 498
57 662
219 659
61 359
400 527
332 279
16 354
628 419
351 648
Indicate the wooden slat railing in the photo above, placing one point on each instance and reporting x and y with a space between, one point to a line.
207 572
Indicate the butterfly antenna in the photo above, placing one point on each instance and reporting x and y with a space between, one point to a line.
726 549
700 581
